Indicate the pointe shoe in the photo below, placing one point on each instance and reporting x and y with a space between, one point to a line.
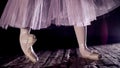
92 55
26 42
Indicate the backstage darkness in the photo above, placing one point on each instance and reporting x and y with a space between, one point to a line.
104 30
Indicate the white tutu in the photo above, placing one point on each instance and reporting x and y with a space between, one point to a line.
37 14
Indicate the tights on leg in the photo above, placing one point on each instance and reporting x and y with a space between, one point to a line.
26 41
24 31
81 34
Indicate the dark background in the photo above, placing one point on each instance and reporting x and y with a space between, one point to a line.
105 30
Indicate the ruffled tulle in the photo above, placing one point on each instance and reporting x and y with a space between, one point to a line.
37 14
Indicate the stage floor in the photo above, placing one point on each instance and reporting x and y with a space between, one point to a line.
70 58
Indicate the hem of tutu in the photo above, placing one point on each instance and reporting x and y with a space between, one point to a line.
19 27
109 10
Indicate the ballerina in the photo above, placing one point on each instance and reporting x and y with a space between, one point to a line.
38 14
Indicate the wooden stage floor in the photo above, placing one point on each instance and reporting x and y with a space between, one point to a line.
70 58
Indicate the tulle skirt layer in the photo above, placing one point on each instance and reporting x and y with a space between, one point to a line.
37 14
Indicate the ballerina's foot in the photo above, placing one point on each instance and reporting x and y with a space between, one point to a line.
27 42
90 55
